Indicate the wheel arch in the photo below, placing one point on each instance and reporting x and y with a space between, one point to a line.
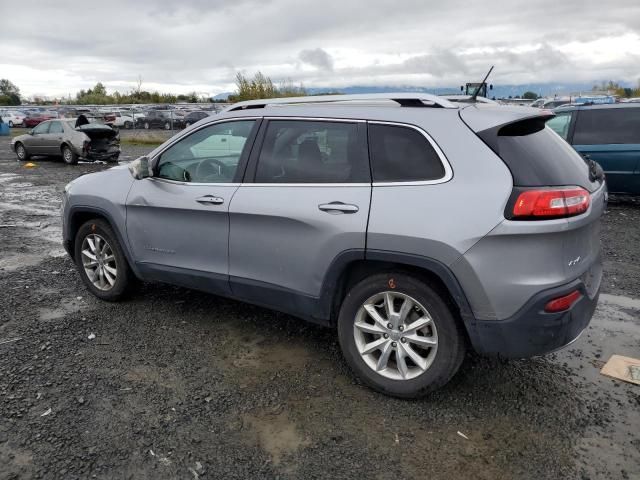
78 216
352 266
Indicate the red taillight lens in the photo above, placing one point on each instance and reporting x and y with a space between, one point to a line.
561 304
551 203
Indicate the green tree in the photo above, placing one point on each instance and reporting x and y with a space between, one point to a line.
530 95
9 93
261 86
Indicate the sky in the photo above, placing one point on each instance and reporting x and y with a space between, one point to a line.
179 46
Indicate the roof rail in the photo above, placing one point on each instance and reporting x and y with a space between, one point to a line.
404 99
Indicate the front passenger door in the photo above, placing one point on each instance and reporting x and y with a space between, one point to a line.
36 143
177 220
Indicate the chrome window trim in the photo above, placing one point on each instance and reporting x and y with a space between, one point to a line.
194 184
448 171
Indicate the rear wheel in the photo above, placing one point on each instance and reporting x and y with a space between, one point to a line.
146 125
69 156
10 124
22 153
101 261
399 336
167 126
128 125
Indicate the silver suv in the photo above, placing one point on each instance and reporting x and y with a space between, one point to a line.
417 227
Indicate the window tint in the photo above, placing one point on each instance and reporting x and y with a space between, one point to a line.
41 128
560 124
210 155
56 127
299 151
402 154
604 126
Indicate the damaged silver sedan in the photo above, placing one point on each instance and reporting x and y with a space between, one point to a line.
70 139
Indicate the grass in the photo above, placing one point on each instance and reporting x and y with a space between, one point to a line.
143 139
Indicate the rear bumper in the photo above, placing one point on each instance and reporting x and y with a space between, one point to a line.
532 331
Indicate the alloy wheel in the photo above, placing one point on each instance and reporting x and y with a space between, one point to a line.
395 335
67 154
21 152
99 262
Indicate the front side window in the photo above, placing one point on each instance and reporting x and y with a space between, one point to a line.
301 151
56 127
402 154
607 126
209 155
41 128
560 124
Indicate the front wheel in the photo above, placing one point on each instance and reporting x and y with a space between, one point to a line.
21 152
128 125
399 336
146 125
10 124
167 126
101 261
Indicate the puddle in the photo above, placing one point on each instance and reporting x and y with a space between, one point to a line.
275 434
620 301
258 355
71 306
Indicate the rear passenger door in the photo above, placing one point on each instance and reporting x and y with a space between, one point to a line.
611 137
304 202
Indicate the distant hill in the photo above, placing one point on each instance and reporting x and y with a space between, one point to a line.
499 91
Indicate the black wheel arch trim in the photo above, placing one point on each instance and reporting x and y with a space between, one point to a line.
69 236
341 263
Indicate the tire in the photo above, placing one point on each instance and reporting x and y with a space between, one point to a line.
69 156
186 124
146 125
113 159
10 124
22 153
128 125
124 280
438 362
167 126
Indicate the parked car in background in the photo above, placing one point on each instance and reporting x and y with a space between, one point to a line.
156 118
607 134
69 139
35 118
13 118
193 117
416 232
120 120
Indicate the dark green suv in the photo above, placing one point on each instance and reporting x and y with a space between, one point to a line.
607 134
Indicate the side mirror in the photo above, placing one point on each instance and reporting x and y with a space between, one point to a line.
140 168
30 132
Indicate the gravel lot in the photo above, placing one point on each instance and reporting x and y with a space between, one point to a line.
180 384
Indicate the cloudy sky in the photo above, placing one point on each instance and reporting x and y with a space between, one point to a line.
56 48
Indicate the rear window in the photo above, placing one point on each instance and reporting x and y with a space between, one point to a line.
537 156
607 126
402 154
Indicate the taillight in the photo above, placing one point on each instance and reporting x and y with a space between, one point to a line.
563 303
550 203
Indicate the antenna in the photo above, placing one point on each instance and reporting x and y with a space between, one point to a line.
475 94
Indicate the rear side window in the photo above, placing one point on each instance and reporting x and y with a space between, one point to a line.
537 156
560 124
606 126
301 151
56 127
402 154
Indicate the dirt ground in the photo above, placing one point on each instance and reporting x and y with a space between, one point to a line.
178 384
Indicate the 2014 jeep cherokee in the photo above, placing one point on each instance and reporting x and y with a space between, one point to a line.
416 226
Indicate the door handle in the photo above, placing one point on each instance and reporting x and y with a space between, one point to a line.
211 200
338 207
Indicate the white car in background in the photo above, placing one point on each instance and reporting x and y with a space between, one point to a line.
12 117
